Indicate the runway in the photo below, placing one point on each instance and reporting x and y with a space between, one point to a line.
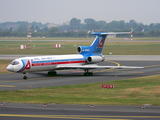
14 81
77 112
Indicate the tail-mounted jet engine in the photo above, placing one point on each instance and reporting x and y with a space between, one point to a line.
83 49
95 59
90 59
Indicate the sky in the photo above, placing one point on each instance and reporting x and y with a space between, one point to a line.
59 11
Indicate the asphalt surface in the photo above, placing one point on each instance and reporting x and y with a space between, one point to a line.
14 81
77 112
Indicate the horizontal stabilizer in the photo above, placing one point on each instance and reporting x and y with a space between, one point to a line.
111 33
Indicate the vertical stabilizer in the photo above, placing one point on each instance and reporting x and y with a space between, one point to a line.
97 45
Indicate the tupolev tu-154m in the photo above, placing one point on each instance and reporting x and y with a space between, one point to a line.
86 59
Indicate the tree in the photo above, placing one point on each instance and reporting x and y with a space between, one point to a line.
133 22
102 24
91 24
157 34
89 21
53 31
151 33
22 28
121 24
75 23
82 34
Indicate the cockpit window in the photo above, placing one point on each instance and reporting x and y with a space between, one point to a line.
14 62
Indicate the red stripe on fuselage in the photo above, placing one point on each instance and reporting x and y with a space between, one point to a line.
55 63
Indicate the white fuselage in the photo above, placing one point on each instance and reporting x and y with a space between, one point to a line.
45 63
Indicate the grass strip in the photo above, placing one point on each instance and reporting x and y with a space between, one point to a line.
69 47
136 91
75 38
3 65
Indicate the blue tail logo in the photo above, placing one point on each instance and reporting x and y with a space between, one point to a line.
101 41
98 43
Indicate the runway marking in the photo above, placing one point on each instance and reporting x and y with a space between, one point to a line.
27 79
119 70
152 66
111 69
79 117
7 86
118 64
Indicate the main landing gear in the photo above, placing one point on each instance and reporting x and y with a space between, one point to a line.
52 73
87 73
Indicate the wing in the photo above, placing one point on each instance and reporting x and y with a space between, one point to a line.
93 66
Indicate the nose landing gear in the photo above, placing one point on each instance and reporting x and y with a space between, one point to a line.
24 76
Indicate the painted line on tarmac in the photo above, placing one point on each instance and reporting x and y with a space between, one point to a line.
27 79
120 70
118 64
85 117
7 86
111 69
152 66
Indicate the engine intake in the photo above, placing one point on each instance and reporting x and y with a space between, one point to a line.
83 49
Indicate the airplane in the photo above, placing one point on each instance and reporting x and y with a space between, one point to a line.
86 59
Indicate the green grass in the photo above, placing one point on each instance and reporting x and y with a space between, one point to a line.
68 47
132 48
75 38
3 65
137 91
47 38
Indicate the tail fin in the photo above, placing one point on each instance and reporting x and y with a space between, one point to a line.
97 45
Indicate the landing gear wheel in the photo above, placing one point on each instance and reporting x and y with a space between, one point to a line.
25 77
52 73
85 74
88 74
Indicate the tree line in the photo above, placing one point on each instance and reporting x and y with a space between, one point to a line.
75 28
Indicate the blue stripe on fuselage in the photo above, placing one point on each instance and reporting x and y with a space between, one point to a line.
56 60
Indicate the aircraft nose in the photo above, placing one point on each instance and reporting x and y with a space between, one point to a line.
10 68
